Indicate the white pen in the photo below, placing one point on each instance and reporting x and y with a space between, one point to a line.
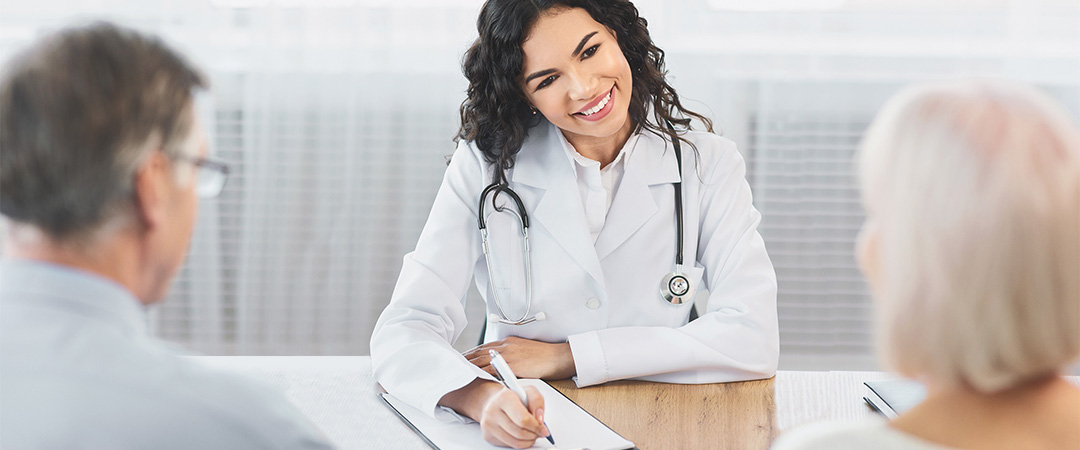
511 382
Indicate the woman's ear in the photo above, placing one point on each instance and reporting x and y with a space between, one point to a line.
868 251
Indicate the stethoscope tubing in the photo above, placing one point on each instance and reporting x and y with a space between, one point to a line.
678 207
494 189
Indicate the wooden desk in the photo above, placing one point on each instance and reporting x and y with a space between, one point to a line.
338 394
744 415
660 416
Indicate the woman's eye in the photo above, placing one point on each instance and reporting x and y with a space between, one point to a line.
589 51
547 82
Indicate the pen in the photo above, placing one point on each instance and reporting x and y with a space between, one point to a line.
511 382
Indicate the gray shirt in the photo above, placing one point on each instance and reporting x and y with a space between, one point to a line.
79 371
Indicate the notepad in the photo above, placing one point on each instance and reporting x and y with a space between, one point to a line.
571 426
894 397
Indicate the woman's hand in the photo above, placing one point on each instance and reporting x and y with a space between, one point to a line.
504 420
527 358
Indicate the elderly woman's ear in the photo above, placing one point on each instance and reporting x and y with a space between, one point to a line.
866 251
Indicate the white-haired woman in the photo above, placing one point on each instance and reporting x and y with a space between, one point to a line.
972 250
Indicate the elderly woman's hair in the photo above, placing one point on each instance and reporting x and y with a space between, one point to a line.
975 188
495 114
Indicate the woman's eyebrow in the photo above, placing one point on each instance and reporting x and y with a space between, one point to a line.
539 74
581 44
577 51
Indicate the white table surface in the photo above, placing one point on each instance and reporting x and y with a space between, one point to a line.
338 394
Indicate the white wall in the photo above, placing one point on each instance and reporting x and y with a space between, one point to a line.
338 116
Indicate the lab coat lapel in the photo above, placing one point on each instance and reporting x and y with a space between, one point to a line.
652 162
544 165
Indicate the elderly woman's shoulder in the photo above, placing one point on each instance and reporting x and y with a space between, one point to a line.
875 434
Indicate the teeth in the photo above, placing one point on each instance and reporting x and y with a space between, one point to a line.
598 106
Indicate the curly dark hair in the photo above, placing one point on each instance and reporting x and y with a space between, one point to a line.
496 115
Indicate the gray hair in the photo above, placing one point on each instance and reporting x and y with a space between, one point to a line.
82 108
975 186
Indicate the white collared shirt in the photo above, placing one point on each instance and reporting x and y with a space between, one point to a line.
79 371
598 186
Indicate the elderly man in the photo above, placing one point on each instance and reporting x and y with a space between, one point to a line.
101 161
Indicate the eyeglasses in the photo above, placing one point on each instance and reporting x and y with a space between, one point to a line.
211 176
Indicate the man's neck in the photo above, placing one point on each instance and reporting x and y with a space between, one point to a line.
115 258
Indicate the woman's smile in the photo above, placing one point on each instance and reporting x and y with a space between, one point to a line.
598 108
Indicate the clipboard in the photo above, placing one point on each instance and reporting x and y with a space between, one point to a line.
570 425
891 398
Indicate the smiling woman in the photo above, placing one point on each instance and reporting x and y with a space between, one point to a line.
520 56
568 113
576 91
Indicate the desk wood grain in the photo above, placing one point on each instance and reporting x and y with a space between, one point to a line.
666 416
742 415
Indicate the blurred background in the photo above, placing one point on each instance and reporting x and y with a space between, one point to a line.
338 117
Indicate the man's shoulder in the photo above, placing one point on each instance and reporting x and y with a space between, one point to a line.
232 404
151 393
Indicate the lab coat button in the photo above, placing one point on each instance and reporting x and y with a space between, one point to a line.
592 303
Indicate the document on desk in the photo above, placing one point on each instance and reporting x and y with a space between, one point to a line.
570 426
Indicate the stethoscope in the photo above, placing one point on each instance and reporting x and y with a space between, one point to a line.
675 287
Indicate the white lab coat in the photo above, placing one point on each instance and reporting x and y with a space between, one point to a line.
602 297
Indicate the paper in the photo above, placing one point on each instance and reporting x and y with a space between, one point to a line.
570 426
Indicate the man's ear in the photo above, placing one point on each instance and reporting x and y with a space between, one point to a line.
150 190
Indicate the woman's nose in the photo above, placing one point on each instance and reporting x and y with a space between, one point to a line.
582 85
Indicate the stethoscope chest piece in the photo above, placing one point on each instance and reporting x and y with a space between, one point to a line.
676 288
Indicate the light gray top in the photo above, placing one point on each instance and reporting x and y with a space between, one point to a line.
79 371
871 433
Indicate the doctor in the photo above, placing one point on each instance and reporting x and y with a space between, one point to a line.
569 111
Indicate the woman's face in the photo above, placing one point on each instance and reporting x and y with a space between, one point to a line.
575 74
